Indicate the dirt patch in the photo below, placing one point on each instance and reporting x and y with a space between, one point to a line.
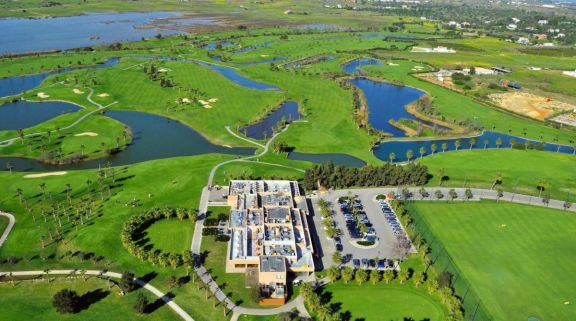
91 134
444 81
45 174
42 95
533 106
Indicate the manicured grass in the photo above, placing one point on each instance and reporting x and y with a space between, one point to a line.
519 259
217 211
29 300
3 224
521 170
245 317
385 302
171 236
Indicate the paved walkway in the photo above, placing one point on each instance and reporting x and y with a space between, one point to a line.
476 192
183 314
9 142
11 222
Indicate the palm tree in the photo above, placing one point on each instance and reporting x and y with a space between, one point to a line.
392 157
347 274
486 142
361 276
444 147
43 188
409 154
498 142
472 142
512 142
422 151
457 144
9 167
82 148
403 276
388 276
333 273
374 276
432 286
324 312
441 176
433 148
418 279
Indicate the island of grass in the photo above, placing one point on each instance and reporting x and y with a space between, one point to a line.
170 235
519 259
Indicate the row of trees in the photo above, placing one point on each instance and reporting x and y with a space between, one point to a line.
328 175
133 233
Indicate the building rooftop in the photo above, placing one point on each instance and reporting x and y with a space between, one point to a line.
272 264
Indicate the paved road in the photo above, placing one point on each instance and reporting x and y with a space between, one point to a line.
11 222
183 314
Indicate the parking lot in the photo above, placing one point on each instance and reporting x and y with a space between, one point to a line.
387 245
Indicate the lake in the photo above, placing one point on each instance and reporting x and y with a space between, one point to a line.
154 137
23 114
263 129
335 158
62 33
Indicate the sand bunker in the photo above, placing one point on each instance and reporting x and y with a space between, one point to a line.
77 91
103 95
163 70
185 100
91 134
206 104
530 105
392 64
213 100
263 56
45 174
42 95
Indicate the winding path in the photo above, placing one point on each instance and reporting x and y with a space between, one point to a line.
164 297
9 142
11 222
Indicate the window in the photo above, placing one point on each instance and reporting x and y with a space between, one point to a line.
280 276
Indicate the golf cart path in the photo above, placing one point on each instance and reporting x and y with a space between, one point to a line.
9 227
183 314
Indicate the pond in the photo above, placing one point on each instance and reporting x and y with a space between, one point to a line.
154 137
62 33
253 47
15 85
264 128
23 114
233 75
336 159
487 140
385 101
213 45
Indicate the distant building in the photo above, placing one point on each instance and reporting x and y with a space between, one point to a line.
500 70
542 22
270 236
515 20
540 36
560 35
569 73
511 27
523 40
480 71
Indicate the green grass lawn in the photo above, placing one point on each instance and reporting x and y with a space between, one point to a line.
171 236
3 224
33 301
385 302
520 169
519 259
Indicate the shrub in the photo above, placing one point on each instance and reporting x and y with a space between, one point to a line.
66 301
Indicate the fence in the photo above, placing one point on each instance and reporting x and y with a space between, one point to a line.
474 310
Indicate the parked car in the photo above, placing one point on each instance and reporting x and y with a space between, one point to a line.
356 263
381 264
365 264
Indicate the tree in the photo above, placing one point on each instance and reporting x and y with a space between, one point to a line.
255 294
438 194
433 148
441 173
193 215
403 276
392 157
422 151
468 193
361 276
337 258
486 142
388 276
457 144
333 273
498 142
126 283
512 142
374 276
409 154
472 142
141 304
418 279
9 167
444 147
306 290
453 194
66 301
423 192
431 286
347 274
